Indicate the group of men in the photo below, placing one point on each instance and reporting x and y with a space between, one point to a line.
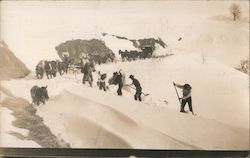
118 79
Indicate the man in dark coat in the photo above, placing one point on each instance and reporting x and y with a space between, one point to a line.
87 73
118 80
138 88
186 90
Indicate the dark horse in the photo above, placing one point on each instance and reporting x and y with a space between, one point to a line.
40 70
50 68
130 55
39 94
62 67
124 55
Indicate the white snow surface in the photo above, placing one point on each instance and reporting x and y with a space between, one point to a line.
87 117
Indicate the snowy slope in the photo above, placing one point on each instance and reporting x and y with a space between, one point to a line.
129 124
8 131
119 123
205 26
225 41
220 99
219 92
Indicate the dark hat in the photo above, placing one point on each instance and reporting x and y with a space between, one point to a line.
187 86
131 76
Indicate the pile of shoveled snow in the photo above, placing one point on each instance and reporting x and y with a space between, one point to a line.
10 65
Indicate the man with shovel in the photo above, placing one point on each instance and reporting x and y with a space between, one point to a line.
138 88
186 89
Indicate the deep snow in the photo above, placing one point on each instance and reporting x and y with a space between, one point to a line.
219 98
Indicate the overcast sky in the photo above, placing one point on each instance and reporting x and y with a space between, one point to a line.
34 28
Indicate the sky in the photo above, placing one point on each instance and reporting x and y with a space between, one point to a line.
32 29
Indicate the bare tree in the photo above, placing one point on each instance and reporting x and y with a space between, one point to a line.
235 11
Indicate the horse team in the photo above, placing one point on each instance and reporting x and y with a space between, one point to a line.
134 55
50 68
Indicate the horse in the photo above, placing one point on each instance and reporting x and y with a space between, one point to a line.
62 67
130 55
124 54
39 94
54 68
40 70
50 69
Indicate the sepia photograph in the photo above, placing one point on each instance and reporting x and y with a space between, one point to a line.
137 75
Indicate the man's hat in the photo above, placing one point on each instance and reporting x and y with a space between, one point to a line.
187 86
131 76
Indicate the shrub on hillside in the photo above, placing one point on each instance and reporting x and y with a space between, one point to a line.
94 49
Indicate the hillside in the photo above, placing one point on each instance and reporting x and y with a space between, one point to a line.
10 65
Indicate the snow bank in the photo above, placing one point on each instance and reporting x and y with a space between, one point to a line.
131 124
105 129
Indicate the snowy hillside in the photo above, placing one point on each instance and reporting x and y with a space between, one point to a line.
219 98
205 26
225 41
